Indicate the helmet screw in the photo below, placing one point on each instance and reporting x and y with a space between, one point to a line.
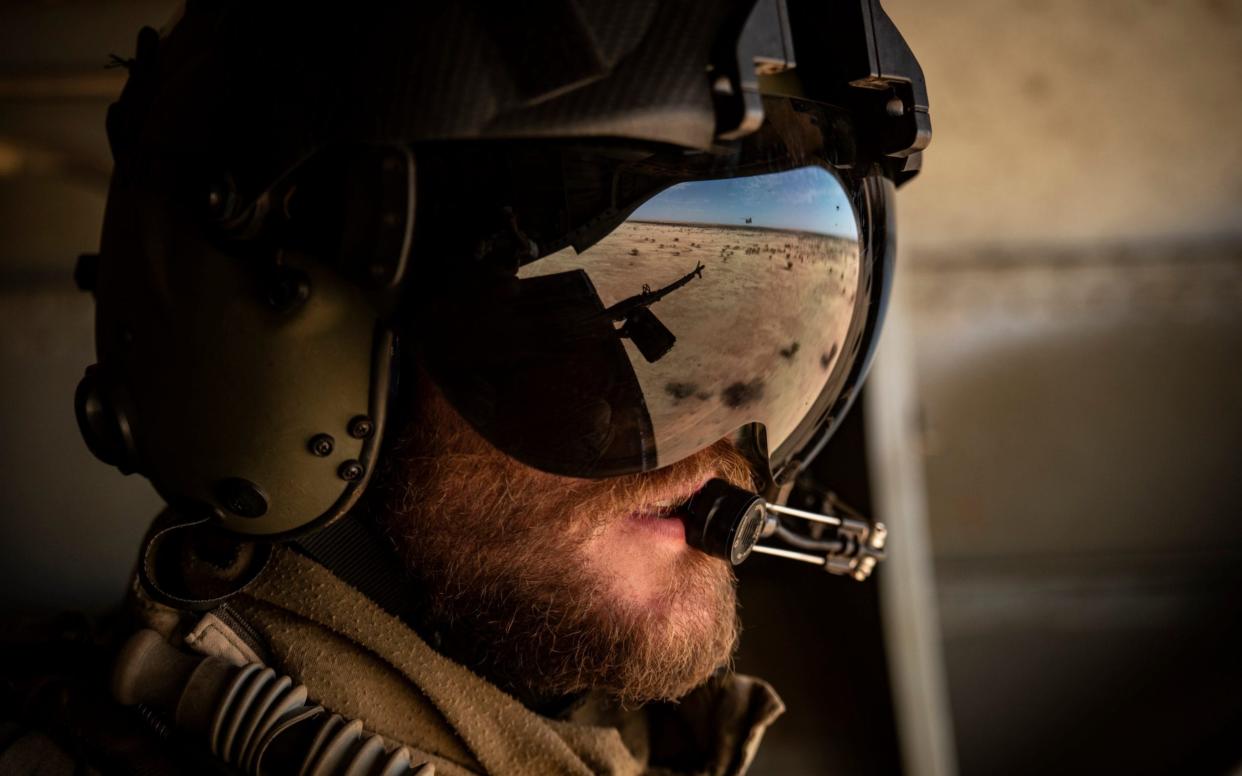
361 427
221 199
350 471
322 445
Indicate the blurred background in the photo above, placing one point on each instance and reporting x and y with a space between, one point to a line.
1053 430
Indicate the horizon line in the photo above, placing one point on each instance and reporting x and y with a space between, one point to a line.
757 227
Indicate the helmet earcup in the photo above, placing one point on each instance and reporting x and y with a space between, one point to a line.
247 379
103 420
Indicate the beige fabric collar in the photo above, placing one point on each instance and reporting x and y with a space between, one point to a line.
360 661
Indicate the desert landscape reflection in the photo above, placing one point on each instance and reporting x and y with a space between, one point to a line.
765 320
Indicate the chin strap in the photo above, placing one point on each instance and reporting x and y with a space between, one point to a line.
360 556
190 563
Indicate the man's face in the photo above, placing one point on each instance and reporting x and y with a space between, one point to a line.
553 585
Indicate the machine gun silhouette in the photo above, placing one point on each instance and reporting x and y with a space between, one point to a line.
652 338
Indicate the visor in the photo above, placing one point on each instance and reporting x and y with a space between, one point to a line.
718 307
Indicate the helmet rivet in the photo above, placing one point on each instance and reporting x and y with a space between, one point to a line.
361 427
220 200
322 445
895 107
351 471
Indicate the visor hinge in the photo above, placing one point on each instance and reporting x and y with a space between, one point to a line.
764 46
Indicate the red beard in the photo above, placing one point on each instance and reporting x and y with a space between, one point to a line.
500 549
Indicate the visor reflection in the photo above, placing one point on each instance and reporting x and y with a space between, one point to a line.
733 298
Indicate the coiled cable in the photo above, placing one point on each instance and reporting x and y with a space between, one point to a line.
239 712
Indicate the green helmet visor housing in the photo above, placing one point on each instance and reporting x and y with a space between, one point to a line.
611 234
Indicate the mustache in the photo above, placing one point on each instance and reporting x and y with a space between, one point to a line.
662 490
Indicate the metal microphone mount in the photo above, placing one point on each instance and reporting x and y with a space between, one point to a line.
728 522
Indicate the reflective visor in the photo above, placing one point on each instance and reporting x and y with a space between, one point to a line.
716 304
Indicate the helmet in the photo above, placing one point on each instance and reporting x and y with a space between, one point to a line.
611 233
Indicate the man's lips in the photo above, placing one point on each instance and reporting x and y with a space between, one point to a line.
665 516
669 525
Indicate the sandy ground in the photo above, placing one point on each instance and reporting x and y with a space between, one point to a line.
757 334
